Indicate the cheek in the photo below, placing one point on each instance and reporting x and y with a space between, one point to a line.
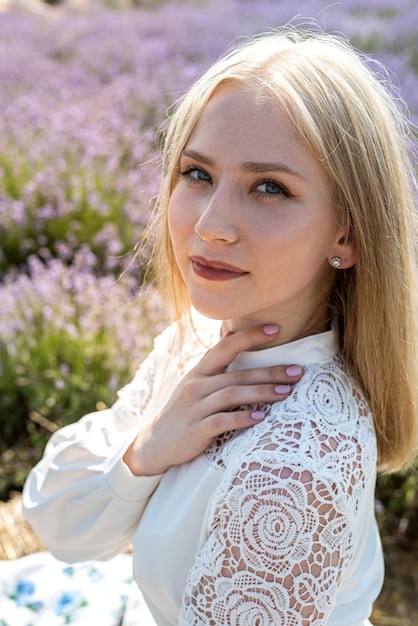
176 217
180 222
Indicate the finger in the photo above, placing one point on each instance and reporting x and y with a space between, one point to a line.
223 422
231 397
228 348
279 374
276 375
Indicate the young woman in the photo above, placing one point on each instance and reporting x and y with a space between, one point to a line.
285 235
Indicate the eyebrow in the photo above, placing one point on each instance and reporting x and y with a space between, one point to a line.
248 166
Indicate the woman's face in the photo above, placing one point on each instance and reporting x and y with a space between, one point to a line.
251 218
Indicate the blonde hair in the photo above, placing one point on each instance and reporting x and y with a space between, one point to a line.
353 124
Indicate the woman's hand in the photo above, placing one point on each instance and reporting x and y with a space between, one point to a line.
204 403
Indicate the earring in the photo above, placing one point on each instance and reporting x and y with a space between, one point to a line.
336 262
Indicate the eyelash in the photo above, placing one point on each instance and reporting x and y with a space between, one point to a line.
186 173
263 194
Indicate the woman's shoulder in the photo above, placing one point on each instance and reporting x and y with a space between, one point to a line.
332 398
329 411
325 427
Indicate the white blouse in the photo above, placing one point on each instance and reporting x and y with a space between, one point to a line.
271 525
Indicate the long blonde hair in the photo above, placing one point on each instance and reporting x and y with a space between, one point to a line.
353 124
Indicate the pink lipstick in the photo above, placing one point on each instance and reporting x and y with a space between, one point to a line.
215 270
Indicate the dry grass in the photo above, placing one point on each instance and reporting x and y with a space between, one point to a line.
16 536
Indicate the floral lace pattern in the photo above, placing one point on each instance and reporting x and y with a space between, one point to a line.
284 519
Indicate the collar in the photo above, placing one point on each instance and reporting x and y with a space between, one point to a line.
304 352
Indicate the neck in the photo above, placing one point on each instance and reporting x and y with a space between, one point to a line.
291 327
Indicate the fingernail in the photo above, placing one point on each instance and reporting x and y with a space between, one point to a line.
293 370
257 415
270 329
282 388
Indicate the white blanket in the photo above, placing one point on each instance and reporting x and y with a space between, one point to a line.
38 590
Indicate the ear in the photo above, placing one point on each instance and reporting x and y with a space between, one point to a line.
344 248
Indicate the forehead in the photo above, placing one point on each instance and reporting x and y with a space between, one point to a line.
240 124
248 109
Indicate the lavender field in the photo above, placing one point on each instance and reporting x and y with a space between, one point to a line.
83 98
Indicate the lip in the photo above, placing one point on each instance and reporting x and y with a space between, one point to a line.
214 269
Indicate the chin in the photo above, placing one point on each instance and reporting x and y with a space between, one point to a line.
209 308
237 319
210 312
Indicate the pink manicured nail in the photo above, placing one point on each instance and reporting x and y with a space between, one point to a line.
282 388
257 415
293 370
270 329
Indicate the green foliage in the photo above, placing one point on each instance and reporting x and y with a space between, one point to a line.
58 376
66 347
57 220
397 505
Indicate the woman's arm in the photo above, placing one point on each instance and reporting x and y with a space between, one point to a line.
81 499
86 497
278 553
283 525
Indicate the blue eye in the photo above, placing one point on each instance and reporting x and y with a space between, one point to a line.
195 174
271 189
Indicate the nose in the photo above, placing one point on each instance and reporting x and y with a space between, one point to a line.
217 217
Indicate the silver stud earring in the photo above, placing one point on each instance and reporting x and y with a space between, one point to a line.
336 262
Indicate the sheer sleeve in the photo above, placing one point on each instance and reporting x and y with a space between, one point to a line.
81 499
283 524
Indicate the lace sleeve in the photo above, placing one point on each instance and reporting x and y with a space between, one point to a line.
283 524
281 540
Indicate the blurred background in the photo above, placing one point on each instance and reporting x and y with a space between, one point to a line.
84 92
